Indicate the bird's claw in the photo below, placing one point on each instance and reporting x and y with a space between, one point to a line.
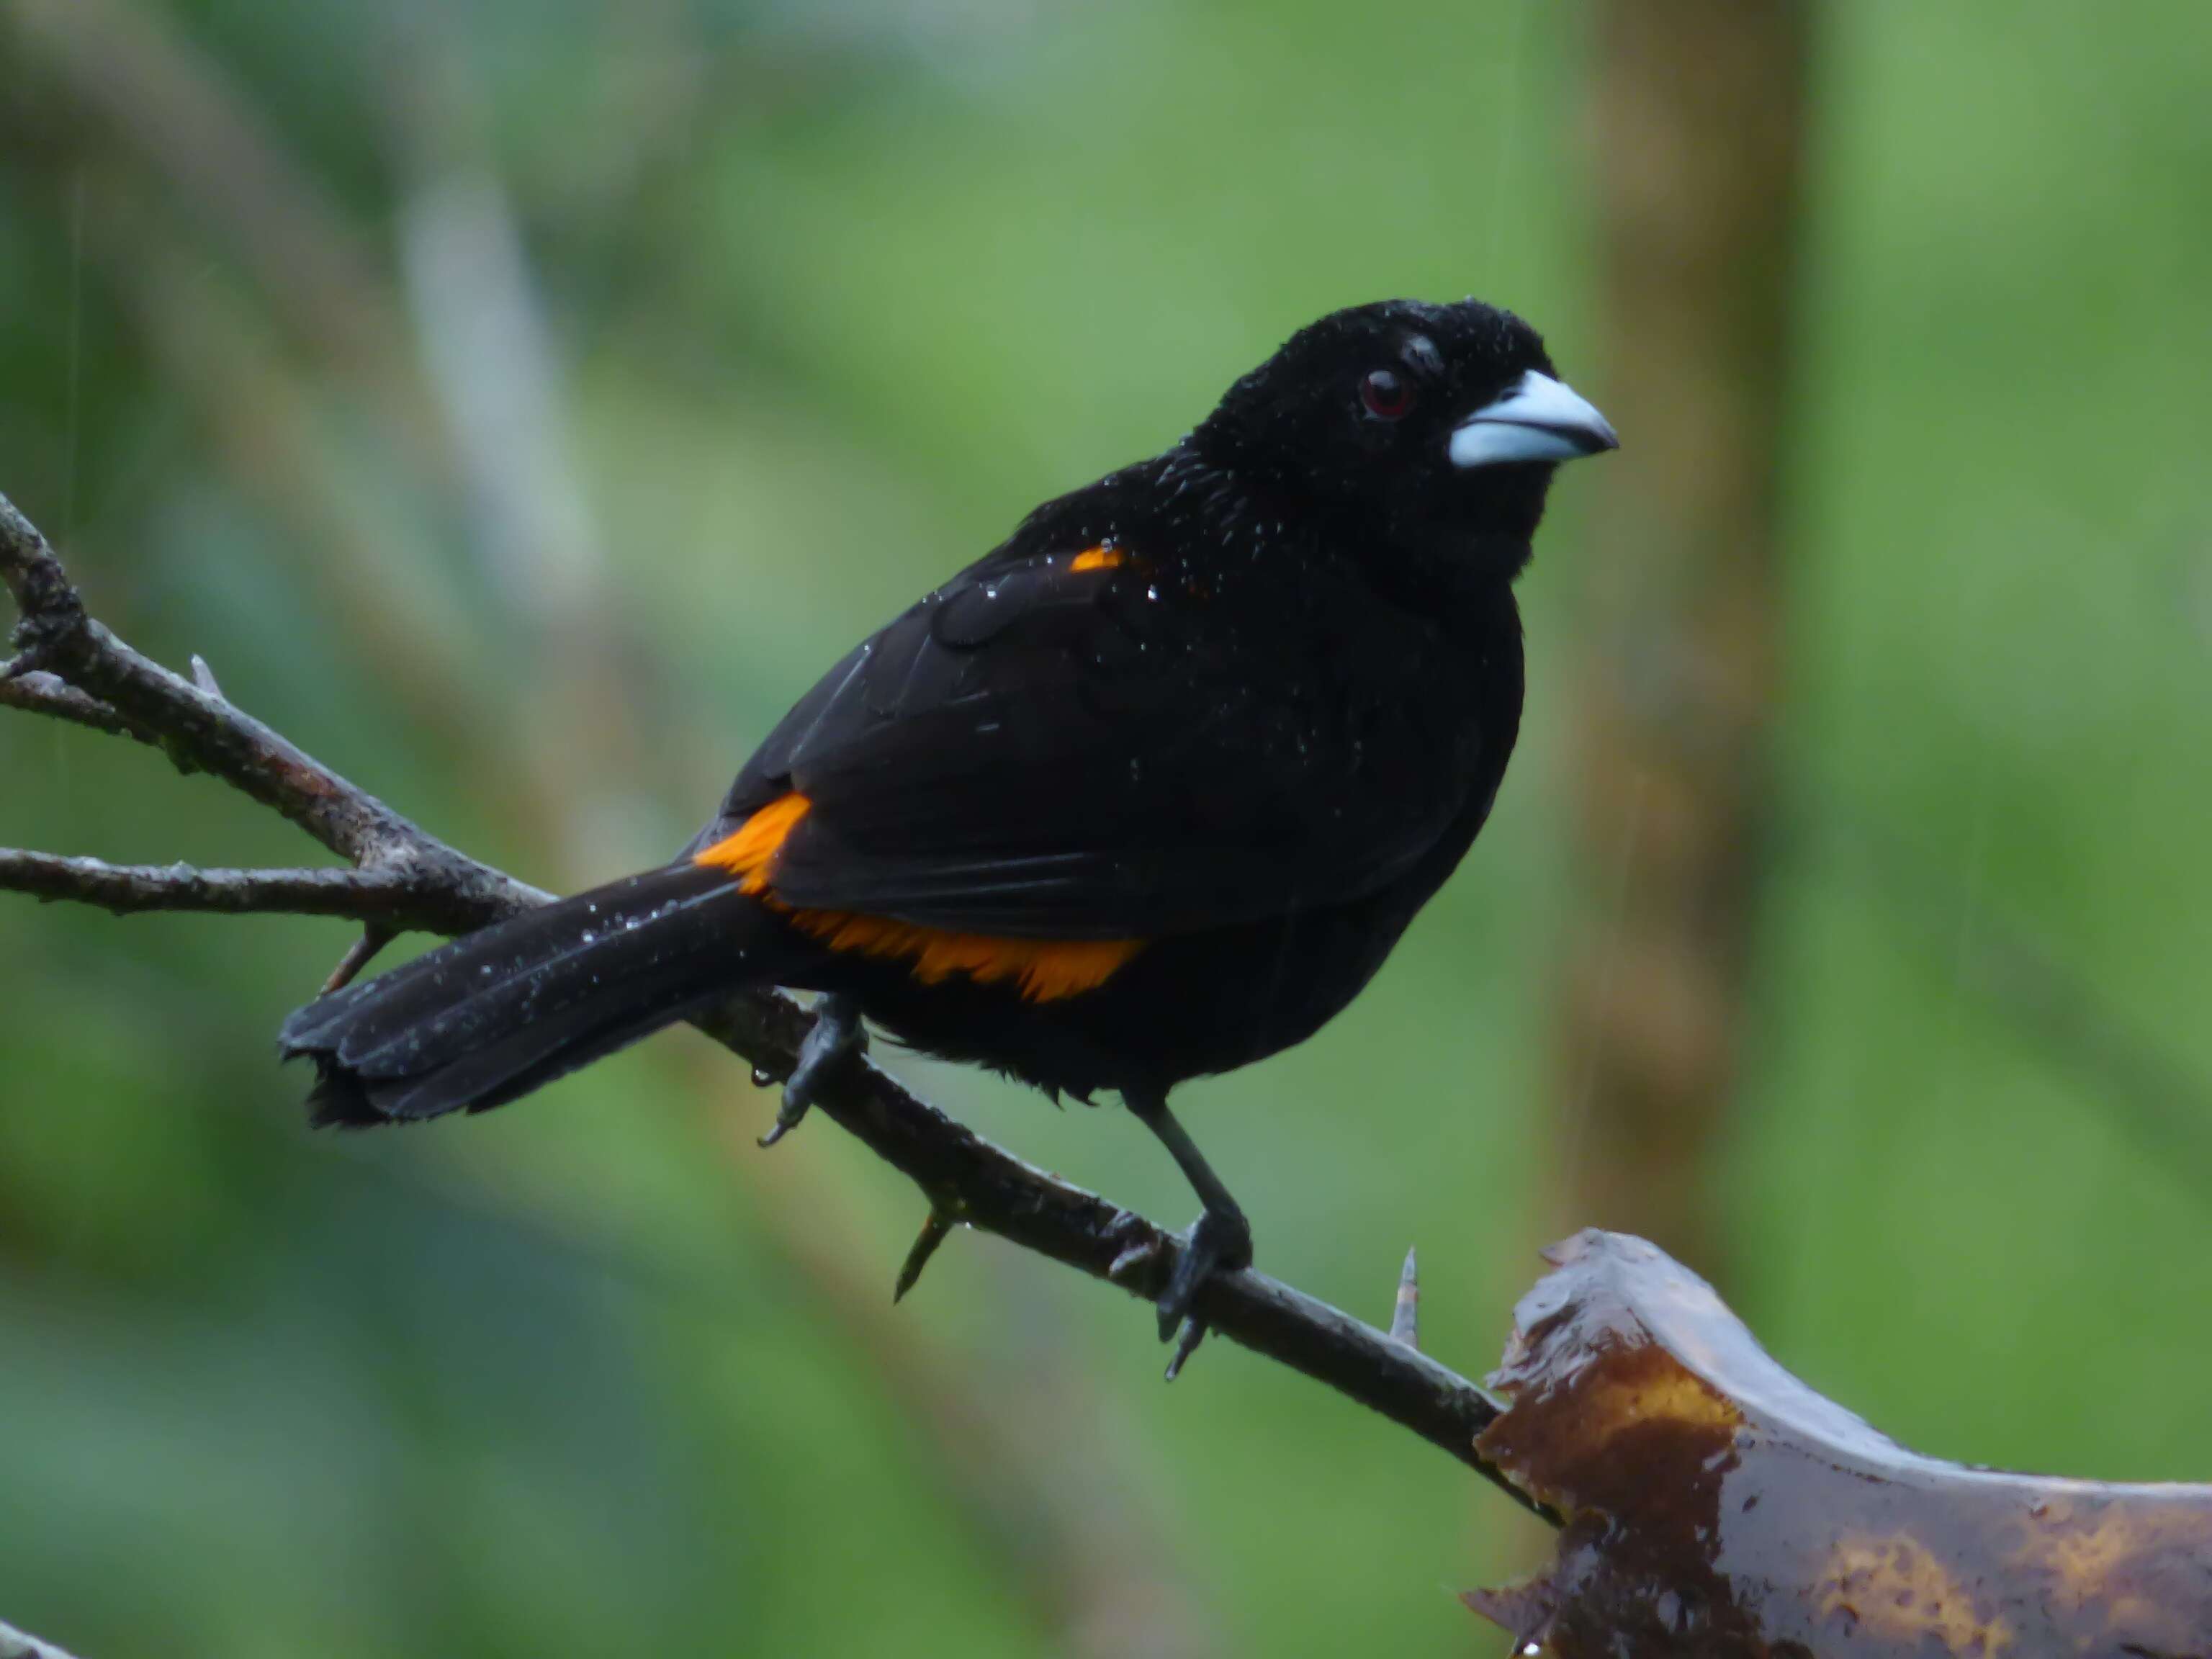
1220 1241
835 1040
1139 1244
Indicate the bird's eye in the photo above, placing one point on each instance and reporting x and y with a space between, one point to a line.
1386 395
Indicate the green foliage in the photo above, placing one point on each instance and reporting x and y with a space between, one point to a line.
837 295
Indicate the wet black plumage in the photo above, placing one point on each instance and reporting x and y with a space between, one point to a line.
1148 791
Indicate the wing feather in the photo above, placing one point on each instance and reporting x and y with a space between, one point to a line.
1039 751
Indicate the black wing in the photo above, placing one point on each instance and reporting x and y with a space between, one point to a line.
1057 746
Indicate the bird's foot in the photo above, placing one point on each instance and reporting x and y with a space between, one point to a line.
836 1040
1220 1241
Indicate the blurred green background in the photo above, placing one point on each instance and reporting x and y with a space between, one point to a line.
519 403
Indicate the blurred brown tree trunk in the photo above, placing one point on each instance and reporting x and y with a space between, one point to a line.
1696 113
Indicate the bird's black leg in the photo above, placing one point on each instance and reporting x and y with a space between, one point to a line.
1221 1239
836 1039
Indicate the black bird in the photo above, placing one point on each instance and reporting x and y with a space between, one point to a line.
1148 791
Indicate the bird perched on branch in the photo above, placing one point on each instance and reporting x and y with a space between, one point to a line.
1148 792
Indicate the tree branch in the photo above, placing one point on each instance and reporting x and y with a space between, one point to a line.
24 687
208 734
74 669
132 888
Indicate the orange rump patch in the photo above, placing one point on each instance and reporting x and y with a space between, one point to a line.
1098 558
747 851
1044 970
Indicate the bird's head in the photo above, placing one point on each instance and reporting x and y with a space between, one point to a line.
1424 430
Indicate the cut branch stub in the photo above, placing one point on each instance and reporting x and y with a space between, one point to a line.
16 1645
1716 1506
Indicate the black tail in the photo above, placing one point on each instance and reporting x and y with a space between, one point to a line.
478 1021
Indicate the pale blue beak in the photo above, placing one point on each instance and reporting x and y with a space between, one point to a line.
1537 419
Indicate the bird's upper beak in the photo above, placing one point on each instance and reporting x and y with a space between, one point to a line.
1535 419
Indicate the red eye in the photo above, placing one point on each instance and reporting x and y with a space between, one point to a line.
1386 395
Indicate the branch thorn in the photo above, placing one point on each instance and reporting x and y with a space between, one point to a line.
361 951
1406 1311
203 677
936 1228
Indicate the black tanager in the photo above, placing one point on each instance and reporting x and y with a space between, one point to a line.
1146 793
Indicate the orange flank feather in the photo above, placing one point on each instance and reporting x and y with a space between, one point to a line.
1098 558
1045 969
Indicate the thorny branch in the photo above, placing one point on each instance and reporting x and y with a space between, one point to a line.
401 877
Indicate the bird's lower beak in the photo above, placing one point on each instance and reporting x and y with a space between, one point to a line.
1537 419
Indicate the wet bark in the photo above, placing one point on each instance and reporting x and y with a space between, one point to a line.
1717 1508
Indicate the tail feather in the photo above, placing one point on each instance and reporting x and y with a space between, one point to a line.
448 1004
488 1018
